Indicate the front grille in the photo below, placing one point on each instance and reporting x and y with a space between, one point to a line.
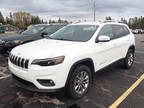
21 62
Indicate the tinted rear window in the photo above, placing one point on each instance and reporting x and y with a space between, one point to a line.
118 31
126 31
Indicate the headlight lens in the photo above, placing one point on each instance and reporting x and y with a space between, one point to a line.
17 41
49 61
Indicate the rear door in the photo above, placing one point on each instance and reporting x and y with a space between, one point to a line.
121 41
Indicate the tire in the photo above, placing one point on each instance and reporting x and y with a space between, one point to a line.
80 78
129 60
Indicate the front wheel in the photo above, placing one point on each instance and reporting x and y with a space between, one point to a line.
129 60
79 82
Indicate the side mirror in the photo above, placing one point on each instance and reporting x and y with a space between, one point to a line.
20 32
103 38
44 34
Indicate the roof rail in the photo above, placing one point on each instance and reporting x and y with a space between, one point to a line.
107 21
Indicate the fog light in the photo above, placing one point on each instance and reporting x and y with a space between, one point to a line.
46 82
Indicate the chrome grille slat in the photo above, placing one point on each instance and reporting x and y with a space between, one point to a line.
18 61
26 63
22 63
15 60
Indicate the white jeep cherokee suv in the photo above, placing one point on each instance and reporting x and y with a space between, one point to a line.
69 57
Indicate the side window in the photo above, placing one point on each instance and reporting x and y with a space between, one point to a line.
126 31
107 30
50 29
118 31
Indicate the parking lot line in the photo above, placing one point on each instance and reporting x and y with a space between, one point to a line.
5 77
126 93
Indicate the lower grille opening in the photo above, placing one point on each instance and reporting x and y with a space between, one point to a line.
24 82
46 82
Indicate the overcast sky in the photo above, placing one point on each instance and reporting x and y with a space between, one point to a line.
75 9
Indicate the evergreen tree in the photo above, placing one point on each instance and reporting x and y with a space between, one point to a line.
9 19
59 20
53 21
123 20
35 20
108 18
50 21
2 18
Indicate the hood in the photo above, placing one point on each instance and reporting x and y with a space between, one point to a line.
44 48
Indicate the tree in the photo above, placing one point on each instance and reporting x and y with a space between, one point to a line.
9 19
45 22
36 20
50 21
142 23
136 23
123 20
2 18
65 21
108 18
53 21
59 20
22 19
41 21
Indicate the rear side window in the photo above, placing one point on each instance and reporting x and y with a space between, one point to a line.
126 31
107 31
118 31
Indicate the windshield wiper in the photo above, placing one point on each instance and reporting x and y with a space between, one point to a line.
63 39
58 38
48 37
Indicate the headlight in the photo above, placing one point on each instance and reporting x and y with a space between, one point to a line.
49 61
17 41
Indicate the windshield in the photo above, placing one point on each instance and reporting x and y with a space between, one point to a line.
33 30
80 33
51 29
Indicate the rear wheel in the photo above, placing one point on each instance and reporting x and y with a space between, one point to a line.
79 82
129 60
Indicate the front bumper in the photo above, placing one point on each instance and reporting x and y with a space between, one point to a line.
31 87
58 74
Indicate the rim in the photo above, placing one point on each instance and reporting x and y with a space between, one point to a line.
130 59
81 82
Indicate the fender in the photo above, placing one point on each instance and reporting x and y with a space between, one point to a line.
132 47
88 61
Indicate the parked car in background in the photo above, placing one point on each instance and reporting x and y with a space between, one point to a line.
138 31
69 58
2 30
142 31
34 32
